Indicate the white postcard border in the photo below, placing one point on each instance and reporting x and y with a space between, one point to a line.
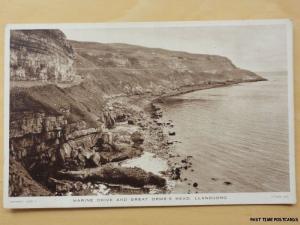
148 199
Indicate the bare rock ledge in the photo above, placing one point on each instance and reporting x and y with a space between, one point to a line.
136 177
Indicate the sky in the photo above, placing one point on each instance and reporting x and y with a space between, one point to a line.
255 47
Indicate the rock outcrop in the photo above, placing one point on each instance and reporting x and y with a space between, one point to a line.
40 55
113 174
34 123
41 142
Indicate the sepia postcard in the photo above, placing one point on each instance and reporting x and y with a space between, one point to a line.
149 114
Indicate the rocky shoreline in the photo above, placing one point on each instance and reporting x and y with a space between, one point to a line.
92 158
84 117
157 131
133 125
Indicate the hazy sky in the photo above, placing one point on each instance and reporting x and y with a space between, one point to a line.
255 47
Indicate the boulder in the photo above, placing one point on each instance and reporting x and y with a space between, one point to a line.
95 159
172 133
79 149
121 117
106 148
65 151
122 138
107 138
121 152
109 119
137 138
136 177
79 133
131 122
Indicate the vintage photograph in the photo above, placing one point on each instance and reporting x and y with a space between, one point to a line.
150 109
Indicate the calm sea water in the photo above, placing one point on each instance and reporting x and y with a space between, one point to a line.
237 135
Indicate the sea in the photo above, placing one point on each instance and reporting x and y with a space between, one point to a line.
238 137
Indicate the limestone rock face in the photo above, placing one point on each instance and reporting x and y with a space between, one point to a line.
40 55
34 123
42 143
79 152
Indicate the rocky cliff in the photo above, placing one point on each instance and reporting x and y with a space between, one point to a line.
40 55
56 128
40 142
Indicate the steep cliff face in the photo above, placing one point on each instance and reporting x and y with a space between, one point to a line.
40 55
43 143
